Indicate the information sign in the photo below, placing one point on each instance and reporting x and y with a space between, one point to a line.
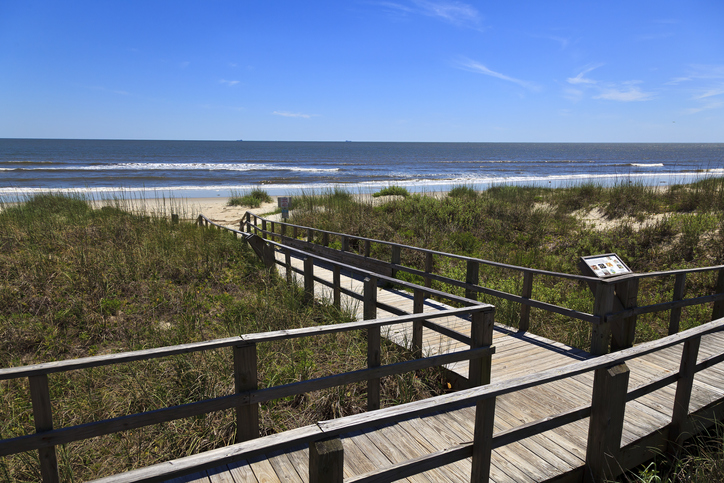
604 266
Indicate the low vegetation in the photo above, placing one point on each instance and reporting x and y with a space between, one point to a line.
253 198
651 229
78 281
392 191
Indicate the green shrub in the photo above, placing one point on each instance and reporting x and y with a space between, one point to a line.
252 199
392 191
463 191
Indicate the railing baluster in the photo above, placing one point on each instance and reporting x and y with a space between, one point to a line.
373 341
284 229
605 428
325 239
308 279
367 248
326 461
527 293
601 331
336 288
245 379
679 291
623 331
396 258
417 308
294 232
288 265
481 334
683 394
472 277
483 440
43 416
310 235
345 243
718 310
263 229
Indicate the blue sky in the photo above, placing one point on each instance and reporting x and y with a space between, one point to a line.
400 70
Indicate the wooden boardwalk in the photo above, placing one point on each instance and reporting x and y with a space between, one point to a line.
557 454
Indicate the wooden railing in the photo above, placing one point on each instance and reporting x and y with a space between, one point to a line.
248 396
605 457
615 305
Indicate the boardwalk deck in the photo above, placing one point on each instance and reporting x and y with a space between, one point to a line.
553 455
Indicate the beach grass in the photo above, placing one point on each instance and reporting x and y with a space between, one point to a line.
392 191
252 198
80 280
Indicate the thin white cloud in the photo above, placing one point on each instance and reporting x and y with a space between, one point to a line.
627 94
228 82
705 107
477 67
292 114
716 91
579 79
454 12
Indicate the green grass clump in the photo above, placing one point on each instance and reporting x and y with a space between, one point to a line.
252 199
392 191
462 191
78 281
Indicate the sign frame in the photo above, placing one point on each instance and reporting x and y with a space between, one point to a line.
609 265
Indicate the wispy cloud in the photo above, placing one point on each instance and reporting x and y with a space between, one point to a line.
454 12
629 93
612 91
579 79
228 82
705 83
474 66
112 91
292 114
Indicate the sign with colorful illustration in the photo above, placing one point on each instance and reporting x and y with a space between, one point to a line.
604 266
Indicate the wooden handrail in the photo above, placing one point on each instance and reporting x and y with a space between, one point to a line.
464 398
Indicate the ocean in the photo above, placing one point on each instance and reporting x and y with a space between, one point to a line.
218 168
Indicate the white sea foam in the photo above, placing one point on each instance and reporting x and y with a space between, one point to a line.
647 165
181 167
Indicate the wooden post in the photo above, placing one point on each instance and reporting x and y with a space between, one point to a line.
284 229
606 424
601 331
325 239
271 230
310 235
245 379
174 218
683 394
396 257
623 331
373 342
248 222
472 277
326 461
417 308
345 244
43 416
294 232
527 293
483 440
336 288
368 245
481 334
308 279
428 269
675 314
718 311
288 265
263 229
255 220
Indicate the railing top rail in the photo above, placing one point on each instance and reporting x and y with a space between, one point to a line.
131 356
508 266
445 254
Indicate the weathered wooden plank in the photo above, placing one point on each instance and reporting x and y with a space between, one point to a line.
241 472
43 419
